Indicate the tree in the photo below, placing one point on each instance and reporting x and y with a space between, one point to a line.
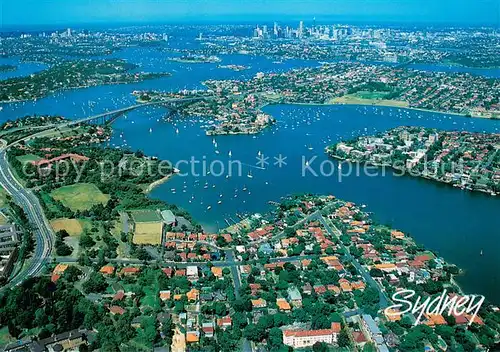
343 339
369 347
254 333
242 305
320 347
86 241
375 272
149 327
95 283
72 273
275 340
62 249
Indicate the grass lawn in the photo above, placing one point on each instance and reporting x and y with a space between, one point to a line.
80 196
146 216
3 220
73 226
151 297
3 198
370 95
3 203
28 158
153 237
368 98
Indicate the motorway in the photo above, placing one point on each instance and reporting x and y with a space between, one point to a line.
40 226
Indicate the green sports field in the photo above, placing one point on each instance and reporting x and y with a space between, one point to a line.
80 196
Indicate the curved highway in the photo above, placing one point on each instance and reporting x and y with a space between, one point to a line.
40 226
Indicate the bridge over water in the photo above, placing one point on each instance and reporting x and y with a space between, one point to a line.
173 105
109 116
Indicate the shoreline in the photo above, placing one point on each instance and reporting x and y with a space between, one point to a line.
389 106
51 93
159 182
419 176
379 105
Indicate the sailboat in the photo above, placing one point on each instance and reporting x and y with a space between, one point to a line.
177 130
250 174
230 154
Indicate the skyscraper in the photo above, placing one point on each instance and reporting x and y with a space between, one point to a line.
265 33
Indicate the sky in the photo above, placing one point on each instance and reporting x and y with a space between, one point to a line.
66 12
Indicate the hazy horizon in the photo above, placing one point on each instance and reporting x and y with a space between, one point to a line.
112 12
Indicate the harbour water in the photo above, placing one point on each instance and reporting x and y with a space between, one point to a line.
455 223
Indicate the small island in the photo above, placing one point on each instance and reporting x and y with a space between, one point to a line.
466 160
196 59
234 67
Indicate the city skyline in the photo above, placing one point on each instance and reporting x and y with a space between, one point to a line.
56 12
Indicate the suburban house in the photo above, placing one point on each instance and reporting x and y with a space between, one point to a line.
9 240
47 163
192 273
307 338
